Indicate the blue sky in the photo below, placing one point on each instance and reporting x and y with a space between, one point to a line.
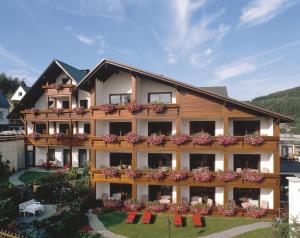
252 47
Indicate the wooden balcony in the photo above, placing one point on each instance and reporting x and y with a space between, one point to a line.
49 114
270 180
52 140
97 142
58 90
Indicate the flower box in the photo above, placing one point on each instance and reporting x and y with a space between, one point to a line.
179 207
59 136
58 111
252 176
133 173
132 138
81 136
227 140
201 209
110 139
34 135
202 139
79 110
180 139
112 204
203 175
107 108
155 206
111 172
226 176
156 139
178 175
157 174
34 111
227 210
256 212
158 107
254 140
133 205
134 107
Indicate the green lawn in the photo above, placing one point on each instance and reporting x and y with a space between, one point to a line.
261 233
30 176
114 221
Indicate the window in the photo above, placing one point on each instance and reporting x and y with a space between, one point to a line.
19 94
64 128
40 128
241 128
51 154
122 98
82 158
87 128
120 159
202 126
160 97
65 80
119 128
157 160
246 161
84 103
160 127
65 104
202 160
1 115
50 104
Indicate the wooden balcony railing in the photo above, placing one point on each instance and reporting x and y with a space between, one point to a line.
58 89
270 180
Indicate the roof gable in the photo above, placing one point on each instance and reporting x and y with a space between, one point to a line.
72 72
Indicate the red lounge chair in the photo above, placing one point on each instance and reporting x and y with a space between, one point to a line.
197 222
130 218
146 217
177 220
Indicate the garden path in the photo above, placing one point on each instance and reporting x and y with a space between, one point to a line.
99 228
239 230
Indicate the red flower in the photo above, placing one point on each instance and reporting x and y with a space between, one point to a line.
132 138
157 107
202 139
180 139
110 139
227 140
134 107
107 108
156 139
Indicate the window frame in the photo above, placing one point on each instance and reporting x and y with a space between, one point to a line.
85 101
159 93
120 97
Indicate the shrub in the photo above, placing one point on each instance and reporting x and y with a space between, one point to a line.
8 190
4 167
203 175
134 107
227 210
8 211
155 206
110 139
226 176
179 207
227 140
201 209
180 139
202 139
156 139
132 138
178 175
133 204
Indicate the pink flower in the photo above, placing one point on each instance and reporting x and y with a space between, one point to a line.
226 176
79 110
178 175
34 111
110 172
203 175
156 139
133 204
107 108
157 174
34 135
157 107
201 209
155 206
180 139
110 139
179 207
227 210
134 107
133 173
227 140
202 139
59 136
132 138
81 136
58 111
254 140
256 212
252 176
112 204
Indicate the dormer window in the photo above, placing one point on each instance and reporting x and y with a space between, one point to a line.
164 97
122 98
65 80
20 94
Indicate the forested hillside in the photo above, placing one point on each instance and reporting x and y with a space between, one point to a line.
286 102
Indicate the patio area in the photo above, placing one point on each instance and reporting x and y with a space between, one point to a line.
49 210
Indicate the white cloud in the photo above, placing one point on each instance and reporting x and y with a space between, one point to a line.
234 69
85 39
261 11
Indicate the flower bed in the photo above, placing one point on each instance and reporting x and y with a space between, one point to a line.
226 176
132 138
202 139
110 139
34 111
201 209
158 107
256 212
252 176
34 135
59 136
254 140
155 206
133 205
179 207
58 111
227 210
134 107
156 139
111 172
178 175
180 139
81 136
107 108
79 110
133 173
203 175
157 174
112 204
227 140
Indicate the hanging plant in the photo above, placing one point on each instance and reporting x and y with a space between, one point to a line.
34 135
180 139
178 208
79 110
202 138
156 139
157 174
254 139
227 210
134 107
201 209
110 172
110 139
59 136
252 176
226 176
132 138
81 136
256 212
157 107
133 204
178 175
34 111
155 206
227 140
133 173
112 203
58 111
107 108
203 175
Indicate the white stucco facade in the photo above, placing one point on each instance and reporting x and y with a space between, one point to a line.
294 194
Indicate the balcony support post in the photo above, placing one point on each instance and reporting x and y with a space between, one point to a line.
225 195
178 160
225 160
133 88
93 159
134 159
134 191
178 193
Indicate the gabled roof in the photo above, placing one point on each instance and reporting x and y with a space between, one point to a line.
105 64
220 90
74 73
24 86
3 101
